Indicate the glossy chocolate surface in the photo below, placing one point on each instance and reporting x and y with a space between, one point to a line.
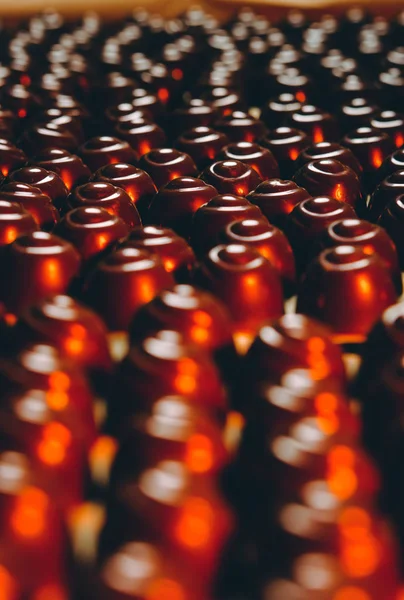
286 144
15 220
104 195
165 164
372 238
348 290
203 144
329 150
210 220
269 241
329 177
231 177
79 334
105 150
135 182
36 265
308 220
245 282
91 230
391 220
258 157
143 136
277 198
38 204
69 167
136 275
177 256
176 203
387 191
46 181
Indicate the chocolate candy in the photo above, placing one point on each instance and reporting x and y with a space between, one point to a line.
146 100
277 198
136 276
387 191
197 315
69 167
356 113
91 230
104 195
294 341
320 126
286 144
38 204
372 238
177 256
211 219
36 265
391 123
14 221
126 112
143 511
394 162
308 220
347 289
329 177
163 364
135 182
329 150
245 282
160 575
77 332
269 241
33 559
11 157
203 144
240 127
143 136
176 202
46 181
105 150
40 137
371 147
277 111
197 113
231 177
258 157
384 343
391 219
165 164
184 436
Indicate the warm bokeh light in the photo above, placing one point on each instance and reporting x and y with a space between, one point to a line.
194 526
293 153
50 592
319 365
8 585
185 380
301 96
199 456
376 157
28 519
318 135
399 140
56 396
351 593
165 589
360 552
341 477
55 441
163 95
177 74
326 405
